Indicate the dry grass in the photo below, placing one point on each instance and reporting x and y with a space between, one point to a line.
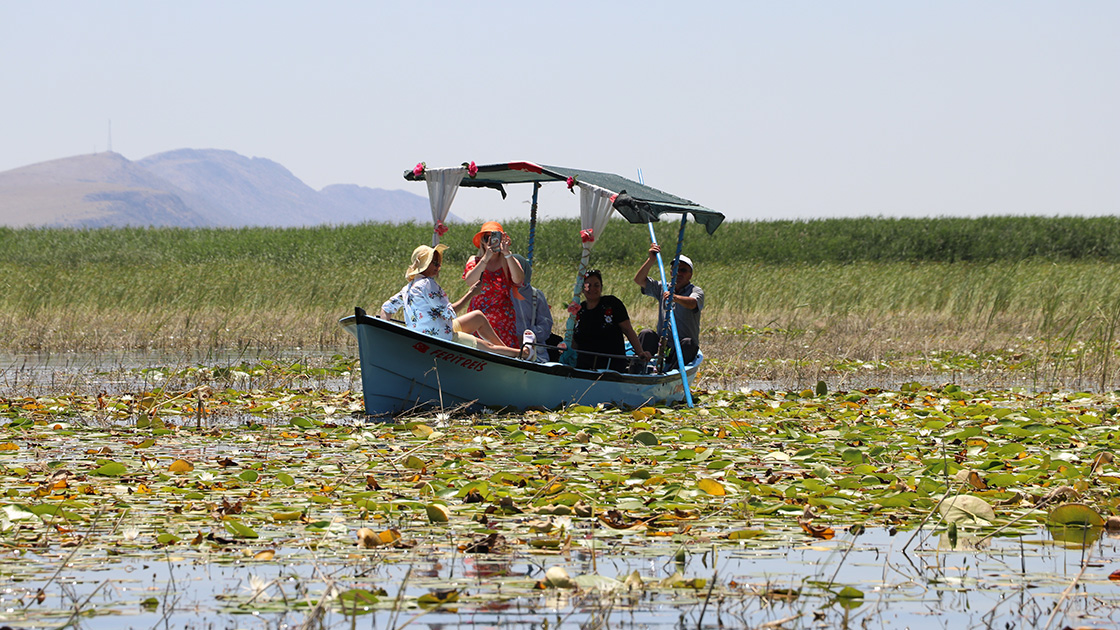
1031 322
849 351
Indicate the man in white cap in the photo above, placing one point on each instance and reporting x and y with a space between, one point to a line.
689 300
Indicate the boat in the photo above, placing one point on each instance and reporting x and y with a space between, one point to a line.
403 370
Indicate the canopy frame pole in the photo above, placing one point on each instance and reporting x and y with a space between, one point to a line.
672 291
533 222
529 257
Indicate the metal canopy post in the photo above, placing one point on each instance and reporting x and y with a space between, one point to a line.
532 238
533 221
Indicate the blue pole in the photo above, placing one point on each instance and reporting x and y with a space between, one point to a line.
669 308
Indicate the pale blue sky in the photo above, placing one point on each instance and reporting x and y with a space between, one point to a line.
758 110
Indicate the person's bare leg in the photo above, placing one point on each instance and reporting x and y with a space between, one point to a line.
475 323
498 349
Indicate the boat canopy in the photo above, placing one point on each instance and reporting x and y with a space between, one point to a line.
636 202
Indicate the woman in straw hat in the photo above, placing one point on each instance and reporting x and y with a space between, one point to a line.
427 309
497 273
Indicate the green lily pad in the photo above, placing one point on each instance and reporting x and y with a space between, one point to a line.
112 469
1074 515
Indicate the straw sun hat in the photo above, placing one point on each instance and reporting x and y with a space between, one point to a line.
422 257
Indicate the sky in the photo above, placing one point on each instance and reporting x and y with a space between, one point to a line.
760 110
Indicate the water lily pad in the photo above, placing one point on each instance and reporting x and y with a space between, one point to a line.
1074 515
240 530
180 466
849 597
438 598
557 577
437 513
712 487
967 510
112 469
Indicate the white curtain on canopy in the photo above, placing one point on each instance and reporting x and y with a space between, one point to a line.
443 183
595 206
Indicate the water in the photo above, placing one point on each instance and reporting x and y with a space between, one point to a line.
94 577
1014 580
39 374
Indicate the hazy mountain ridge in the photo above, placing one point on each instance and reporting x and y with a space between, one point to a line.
188 188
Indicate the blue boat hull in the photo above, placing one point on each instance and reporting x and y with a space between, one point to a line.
404 370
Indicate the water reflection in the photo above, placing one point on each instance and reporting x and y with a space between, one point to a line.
889 580
121 372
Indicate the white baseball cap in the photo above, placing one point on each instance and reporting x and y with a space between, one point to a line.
688 261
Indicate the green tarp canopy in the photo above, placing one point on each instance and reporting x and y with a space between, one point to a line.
636 202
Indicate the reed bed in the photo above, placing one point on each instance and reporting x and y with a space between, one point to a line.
795 319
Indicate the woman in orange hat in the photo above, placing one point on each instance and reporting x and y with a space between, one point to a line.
496 272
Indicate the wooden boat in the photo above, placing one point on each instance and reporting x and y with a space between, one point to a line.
403 369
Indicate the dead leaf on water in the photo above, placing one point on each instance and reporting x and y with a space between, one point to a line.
180 466
712 487
967 510
557 577
369 539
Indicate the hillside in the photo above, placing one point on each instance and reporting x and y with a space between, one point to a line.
188 188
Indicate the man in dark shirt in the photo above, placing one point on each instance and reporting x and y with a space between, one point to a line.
689 300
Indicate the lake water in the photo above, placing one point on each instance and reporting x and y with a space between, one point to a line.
906 581
117 372
1011 582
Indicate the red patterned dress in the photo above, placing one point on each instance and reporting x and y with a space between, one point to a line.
495 302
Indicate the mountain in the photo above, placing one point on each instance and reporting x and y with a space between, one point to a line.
188 188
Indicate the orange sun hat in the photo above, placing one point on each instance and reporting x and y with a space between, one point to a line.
489 226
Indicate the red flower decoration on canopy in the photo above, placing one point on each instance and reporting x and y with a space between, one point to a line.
418 170
587 236
440 228
472 170
572 184
573 308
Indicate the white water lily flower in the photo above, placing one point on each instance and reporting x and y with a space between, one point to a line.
130 534
206 476
258 588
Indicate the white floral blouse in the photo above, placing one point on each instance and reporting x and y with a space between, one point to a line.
426 307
